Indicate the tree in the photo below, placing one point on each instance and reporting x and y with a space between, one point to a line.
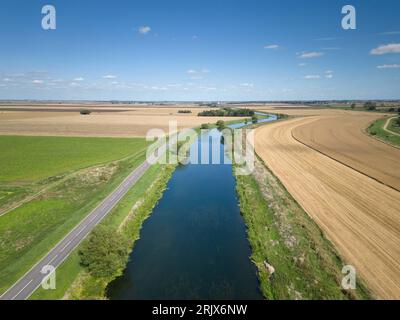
205 126
220 124
254 119
353 106
371 106
105 253
85 112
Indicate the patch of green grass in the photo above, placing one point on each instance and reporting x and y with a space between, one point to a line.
282 234
31 230
148 191
393 125
376 130
29 159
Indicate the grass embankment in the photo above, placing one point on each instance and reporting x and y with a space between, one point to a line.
376 130
31 230
73 280
283 235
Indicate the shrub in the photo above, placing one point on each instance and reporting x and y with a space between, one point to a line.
105 253
205 126
85 112
220 124
184 111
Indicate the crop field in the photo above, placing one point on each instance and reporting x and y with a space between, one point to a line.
28 159
112 122
62 179
342 138
357 213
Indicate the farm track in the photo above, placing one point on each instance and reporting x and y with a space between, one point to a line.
385 127
357 213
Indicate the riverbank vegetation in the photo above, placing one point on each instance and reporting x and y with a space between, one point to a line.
75 279
293 258
227 112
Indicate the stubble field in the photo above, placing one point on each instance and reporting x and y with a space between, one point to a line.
356 212
102 122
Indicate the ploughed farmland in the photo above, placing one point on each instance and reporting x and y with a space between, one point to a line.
357 213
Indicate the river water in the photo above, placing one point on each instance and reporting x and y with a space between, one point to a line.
194 244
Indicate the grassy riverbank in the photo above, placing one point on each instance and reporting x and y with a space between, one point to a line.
73 280
282 234
376 130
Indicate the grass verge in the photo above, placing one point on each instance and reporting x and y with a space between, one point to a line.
283 235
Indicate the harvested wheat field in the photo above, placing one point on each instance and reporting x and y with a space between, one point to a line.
342 138
357 213
109 122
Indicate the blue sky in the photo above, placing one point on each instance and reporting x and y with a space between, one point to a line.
200 50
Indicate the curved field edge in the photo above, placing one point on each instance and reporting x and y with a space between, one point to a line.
376 130
73 281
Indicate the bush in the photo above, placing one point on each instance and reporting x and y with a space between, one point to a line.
254 119
105 253
371 106
227 112
353 106
184 111
85 112
205 126
220 124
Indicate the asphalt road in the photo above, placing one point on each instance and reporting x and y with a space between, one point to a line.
26 285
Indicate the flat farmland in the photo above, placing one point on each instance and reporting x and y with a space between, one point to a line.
357 213
112 122
342 138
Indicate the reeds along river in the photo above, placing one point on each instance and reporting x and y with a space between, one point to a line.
194 244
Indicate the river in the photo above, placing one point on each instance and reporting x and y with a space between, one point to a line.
194 244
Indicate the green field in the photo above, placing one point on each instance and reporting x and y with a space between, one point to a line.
376 130
30 230
28 159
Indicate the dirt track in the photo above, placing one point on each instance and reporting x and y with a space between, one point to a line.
358 214
342 138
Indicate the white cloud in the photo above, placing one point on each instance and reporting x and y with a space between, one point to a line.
191 71
247 85
7 80
109 76
79 79
313 54
195 37
205 71
302 64
389 33
389 66
312 77
329 71
271 46
388 48
329 76
37 81
144 29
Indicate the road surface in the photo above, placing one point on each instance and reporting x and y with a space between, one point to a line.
25 286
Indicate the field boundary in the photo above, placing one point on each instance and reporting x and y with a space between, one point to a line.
342 163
